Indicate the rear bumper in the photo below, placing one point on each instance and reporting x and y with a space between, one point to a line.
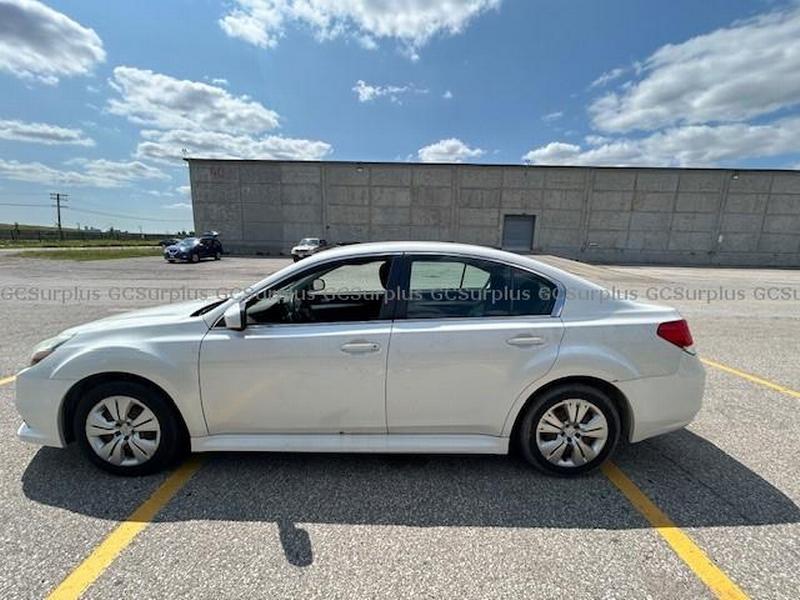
663 404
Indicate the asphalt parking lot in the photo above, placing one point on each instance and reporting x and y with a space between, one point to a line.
327 526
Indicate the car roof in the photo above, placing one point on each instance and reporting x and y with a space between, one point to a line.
559 275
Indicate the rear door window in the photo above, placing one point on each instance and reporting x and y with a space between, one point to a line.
463 287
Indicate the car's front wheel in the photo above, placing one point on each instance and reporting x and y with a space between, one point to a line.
195 257
569 430
217 255
127 428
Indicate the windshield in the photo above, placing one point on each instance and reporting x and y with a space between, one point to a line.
309 242
188 242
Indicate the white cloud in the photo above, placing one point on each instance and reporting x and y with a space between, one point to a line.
220 81
201 120
732 74
42 133
608 77
686 146
184 190
170 145
411 22
553 116
367 92
177 205
451 150
42 44
162 101
93 173
448 95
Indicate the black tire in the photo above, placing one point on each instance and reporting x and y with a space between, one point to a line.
526 433
217 255
295 258
195 257
171 446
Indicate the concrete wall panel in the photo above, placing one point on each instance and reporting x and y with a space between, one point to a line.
657 181
301 173
391 196
400 215
431 196
394 176
746 203
654 201
343 214
356 196
345 174
701 203
784 205
480 177
433 175
522 177
259 173
614 179
611 200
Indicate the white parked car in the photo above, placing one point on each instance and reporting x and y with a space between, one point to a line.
390 347
306 247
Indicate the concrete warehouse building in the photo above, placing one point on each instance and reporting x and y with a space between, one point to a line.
633 215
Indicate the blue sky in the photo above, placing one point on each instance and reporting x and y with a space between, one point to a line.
99 99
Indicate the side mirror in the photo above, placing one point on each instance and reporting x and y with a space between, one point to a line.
235 317
317 285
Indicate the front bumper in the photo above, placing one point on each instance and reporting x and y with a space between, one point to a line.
663 404
38 401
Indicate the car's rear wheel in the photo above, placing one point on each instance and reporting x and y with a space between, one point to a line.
127 428
569 430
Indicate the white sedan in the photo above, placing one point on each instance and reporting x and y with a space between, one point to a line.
389 347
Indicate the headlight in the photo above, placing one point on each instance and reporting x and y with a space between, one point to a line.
45 348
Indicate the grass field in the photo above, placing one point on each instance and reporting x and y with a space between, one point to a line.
99 253
74 243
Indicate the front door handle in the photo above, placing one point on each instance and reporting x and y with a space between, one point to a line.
526 340
360 347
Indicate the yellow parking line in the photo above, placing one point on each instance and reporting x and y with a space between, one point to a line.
103 555
697 560
6 380
752 378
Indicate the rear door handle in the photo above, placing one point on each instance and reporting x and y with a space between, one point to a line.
526 340
360 347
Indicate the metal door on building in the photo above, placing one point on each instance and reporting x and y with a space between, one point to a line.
518 232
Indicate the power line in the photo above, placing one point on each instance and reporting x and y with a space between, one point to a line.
121 216
27 205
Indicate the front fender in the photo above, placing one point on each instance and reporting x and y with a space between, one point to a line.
175 373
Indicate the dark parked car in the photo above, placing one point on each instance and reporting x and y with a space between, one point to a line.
193 249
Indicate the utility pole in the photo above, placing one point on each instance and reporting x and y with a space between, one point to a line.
58 198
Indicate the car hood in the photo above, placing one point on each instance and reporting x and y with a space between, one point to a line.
156 315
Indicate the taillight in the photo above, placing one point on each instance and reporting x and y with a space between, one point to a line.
676 332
